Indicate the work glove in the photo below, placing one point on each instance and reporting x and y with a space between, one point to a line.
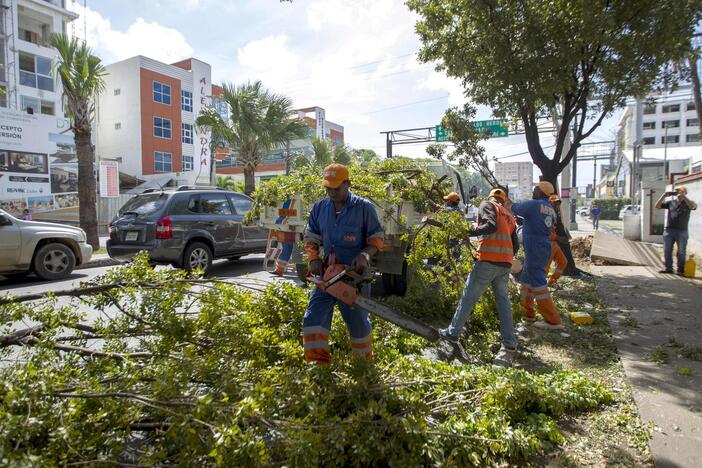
316 267
359 264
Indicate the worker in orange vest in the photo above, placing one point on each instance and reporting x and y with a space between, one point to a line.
557 254
496 250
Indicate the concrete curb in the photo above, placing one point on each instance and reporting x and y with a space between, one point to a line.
97 262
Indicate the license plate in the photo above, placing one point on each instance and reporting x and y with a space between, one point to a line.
132 236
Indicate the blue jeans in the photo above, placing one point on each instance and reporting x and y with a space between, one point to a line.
671 236
596 222
486 274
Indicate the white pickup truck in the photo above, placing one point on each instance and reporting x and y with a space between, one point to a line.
290 216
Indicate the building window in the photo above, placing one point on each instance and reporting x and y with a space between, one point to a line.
670 139
118 91
3 96
162 128
47 108
690 106
186 101
692 122
118 125
649 125
649 141
671 108
649 109
693 138
35 72
670 124
162 93
187 163
163 162
32 105
187 133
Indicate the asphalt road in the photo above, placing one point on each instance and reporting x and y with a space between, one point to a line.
250 266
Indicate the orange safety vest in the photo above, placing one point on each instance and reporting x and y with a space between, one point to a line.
497 247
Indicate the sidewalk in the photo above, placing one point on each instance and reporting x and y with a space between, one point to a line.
657 317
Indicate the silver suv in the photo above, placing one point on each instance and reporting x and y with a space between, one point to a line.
49 250
187 228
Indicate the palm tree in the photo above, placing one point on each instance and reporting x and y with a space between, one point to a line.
81 74
260 121
341 154
322 155
227 183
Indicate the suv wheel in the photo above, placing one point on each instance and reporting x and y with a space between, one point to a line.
54 261
197 255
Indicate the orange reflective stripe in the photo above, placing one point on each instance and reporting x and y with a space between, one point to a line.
497 247
314 337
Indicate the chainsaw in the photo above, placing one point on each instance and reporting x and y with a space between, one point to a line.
344 284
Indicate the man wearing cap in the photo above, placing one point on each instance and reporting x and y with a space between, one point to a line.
557 254
496 250
679 207
452 201
347 229
539 219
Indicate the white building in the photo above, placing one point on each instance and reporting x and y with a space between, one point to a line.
518 176
146 121
38 167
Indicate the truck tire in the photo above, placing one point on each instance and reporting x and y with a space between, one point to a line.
197 255
388 284
54 261
395 285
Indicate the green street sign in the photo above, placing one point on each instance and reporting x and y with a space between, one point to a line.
441 134
498 127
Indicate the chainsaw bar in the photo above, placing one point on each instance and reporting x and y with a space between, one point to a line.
404 321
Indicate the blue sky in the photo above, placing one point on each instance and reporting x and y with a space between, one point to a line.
355 58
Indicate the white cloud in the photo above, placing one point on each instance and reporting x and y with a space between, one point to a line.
269 59
141 38
438 81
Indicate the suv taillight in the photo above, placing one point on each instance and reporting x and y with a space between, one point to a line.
164 228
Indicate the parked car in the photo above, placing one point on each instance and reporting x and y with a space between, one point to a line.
629 209
51 251
187 228
584 210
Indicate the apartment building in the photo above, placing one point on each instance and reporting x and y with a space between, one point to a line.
273 164
38 164
518 176
146 121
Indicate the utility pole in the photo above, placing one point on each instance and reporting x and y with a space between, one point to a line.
638 147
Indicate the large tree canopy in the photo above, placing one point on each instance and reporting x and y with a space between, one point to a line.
581 58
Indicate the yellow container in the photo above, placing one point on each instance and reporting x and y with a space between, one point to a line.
690 267
581 318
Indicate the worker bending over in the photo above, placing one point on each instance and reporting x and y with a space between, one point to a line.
539 218
557 254
496 249
347 228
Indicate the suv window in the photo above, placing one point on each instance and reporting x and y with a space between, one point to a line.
241 204
145 204
214 203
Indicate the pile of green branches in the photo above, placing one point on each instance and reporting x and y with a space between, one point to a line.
172 369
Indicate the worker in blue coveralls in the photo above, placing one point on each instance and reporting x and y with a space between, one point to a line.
347 228
539 218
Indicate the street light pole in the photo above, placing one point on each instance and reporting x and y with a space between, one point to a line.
665 153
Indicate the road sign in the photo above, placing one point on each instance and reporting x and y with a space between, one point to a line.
496 127
441 134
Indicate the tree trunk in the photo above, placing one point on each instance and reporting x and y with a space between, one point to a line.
87 211
249 180
696 93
